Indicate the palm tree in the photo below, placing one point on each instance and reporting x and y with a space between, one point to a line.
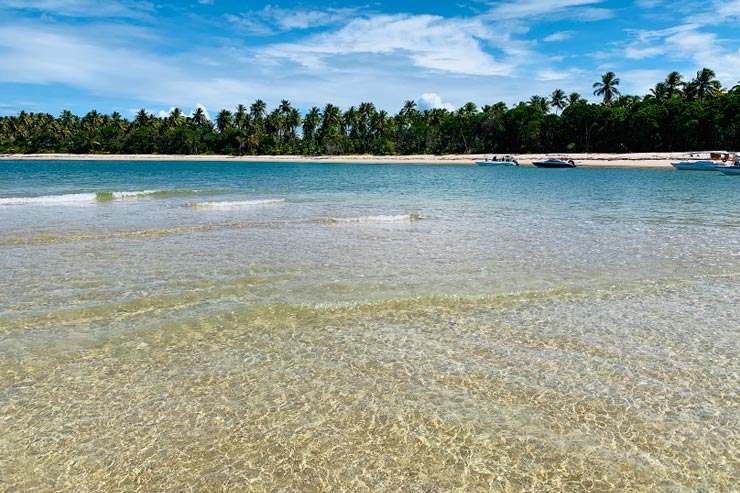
540 102
257 113
292 122
258 110
380 129
607 88
224 120
310 123
240 117
365 113
199 117
142 119
575 98
330 130
674 84
176 118
659 92
704 85
557 100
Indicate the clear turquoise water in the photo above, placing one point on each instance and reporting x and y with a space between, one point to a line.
298 327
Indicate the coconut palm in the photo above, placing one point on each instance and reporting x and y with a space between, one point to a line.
330 130
142 119
310 123
198 118
176 118
540 103
704 85
258 110
224 120
659 92
607 88
674 84
558 100
575 98
241 117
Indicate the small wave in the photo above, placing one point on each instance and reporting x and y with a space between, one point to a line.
107 196
399 218
92 197
71 198
234 204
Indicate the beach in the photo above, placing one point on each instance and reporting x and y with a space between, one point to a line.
606 160
291 326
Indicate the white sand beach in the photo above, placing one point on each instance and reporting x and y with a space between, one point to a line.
631 160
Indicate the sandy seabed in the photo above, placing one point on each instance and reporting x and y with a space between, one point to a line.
631 160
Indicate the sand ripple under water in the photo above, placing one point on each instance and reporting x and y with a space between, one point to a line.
531 391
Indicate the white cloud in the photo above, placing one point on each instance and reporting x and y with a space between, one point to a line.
273 19
528 9
639 82
429 101
559 74
84 8
727 9
648 4
428 42
558 36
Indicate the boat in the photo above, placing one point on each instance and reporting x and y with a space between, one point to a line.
729 169
506 160
707 161
555 162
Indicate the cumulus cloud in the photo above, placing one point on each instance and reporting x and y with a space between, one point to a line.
430 101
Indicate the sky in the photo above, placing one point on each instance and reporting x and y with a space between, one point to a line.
125 55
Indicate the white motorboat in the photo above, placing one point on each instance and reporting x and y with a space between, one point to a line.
729 169
705 161
506 160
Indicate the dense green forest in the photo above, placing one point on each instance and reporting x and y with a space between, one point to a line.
677 115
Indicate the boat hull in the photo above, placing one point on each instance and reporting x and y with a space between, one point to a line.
497 163
551 163
695 165
729 170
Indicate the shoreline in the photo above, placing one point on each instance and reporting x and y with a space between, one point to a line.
584 160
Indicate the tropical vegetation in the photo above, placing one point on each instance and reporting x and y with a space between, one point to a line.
676 115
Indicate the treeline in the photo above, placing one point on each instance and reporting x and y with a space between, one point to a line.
675 116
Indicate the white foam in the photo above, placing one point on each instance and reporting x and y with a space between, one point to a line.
71 198
141 193
235 204
399 218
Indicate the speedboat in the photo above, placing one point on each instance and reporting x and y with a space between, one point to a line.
729 169
498 161
708 161
555 162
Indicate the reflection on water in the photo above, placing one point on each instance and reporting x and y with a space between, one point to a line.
331 341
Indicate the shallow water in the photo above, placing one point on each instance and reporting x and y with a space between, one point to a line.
278 327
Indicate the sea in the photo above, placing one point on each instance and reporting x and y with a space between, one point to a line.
279 327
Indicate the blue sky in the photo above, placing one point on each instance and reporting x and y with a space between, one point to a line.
124 55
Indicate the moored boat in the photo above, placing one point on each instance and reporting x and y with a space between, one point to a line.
506 160
555 162
729 169
707 161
